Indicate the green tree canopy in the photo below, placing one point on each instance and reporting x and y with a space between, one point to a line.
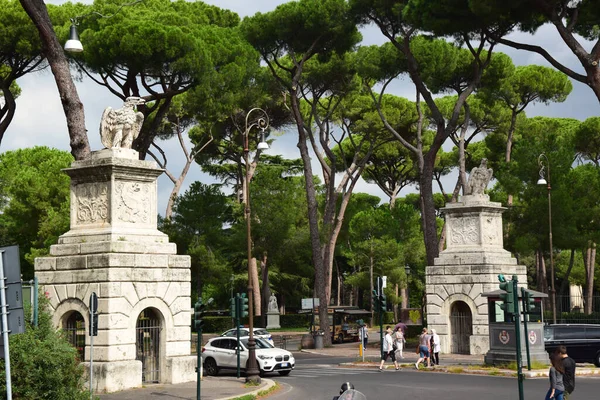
34 201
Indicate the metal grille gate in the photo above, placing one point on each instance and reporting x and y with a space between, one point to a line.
461 328
75 330
148 345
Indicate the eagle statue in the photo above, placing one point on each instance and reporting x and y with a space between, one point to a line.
119 128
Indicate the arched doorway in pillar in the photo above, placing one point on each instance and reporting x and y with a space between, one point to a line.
461 328
74 327
147 333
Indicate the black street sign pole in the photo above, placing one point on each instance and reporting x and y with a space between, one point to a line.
5 328
517 318
93 330
525 318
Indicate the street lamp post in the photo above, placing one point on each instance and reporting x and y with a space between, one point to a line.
262 122
544 164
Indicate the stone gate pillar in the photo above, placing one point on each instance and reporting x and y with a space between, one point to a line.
468 267
113 248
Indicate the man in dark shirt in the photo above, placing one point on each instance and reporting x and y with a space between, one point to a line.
569 375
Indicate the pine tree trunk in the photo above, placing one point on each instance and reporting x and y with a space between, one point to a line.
54 52
589 269
255 288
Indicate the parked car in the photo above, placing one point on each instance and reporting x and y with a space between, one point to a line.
220 353
261 333
581 340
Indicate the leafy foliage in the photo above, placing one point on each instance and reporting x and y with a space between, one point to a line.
34 205
44 365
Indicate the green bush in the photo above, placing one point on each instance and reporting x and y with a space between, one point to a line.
216 324
289 321
573 317
43 363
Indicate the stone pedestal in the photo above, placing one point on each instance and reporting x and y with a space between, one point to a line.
113 248
273 320
468 267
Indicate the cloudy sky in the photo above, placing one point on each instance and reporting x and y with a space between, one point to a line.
40 120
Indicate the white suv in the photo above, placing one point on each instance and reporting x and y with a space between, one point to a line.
220 353
261 333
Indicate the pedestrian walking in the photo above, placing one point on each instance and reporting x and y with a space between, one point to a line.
389 350
557 370
435 347
399 340
424 349
364 335
569 366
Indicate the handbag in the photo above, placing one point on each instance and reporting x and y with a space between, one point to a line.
418 349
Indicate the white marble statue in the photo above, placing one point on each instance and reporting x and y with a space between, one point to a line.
273 303
479 178
119 128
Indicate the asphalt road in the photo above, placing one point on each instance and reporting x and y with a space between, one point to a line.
322 382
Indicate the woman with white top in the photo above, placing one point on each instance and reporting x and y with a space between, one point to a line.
388 349
435 348
399 340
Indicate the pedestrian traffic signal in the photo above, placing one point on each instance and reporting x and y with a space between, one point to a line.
198 315
508 298
528 301
233 308
375 301
243 305
382 303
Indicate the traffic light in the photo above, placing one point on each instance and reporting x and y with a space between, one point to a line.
382 303
233 308
198 314
243 305
528 301
375 301
508 298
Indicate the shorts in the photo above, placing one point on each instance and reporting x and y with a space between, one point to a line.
423 351
389 354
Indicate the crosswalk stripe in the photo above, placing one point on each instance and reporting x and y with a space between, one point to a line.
312 373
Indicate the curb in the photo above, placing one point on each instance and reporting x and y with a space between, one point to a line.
269 385
499 372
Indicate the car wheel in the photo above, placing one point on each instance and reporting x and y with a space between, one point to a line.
597 360
284 373
210 366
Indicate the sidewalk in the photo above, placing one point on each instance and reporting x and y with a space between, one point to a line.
452 363
213 388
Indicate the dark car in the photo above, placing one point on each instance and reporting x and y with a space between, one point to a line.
581 340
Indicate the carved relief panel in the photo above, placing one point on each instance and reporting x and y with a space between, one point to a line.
492 230
92 203
133 202
464 231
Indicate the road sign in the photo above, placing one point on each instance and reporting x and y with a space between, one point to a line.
15 321
310 303
93 328
14 295
12 265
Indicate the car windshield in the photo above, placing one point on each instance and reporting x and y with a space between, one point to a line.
261 332
260 343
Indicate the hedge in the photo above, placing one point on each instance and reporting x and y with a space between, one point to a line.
573 318
289 321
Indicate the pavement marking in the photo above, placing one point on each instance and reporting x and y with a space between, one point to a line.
316 373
